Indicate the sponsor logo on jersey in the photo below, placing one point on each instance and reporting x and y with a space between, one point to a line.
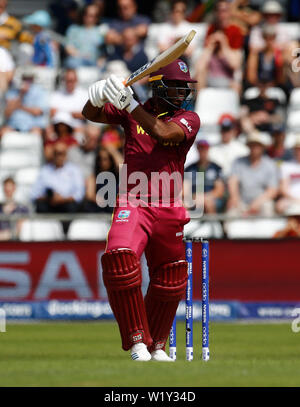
186 124
123 216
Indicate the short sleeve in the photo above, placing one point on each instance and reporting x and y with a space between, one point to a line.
189 122
114 115
236 167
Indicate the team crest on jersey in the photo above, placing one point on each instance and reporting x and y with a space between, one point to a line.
183 67
123 216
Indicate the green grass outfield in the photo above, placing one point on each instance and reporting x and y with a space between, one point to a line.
89 354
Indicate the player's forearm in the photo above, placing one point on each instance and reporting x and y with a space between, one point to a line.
94 114
156 128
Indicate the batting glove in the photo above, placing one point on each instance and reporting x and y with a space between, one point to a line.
119 95
96 94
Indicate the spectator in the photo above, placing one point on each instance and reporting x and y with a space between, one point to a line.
292 228
84 41
10 207
277 150
43 46
175 28
63 133
69 98
65 13
289 188
108 158
229 149
261 112
84 155
26 106
131 51
11 28
253 182
272 14
213 191
220 63
128 17
266 64
244 15
7 69
60 185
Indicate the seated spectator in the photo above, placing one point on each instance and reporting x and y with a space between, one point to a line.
84 155
63 133
11 28
230 148
272 14
253 183
65 13
69 98
84 41
7 69
108 158
213 191
131 51
26 106
220 63
277 150
266 64
289 187
10 207
245 16
292 228
175 28
43 46
261 112
59 187
128 17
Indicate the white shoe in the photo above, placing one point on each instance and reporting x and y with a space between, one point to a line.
160 356
139 353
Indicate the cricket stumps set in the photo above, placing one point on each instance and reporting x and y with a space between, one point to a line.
189 303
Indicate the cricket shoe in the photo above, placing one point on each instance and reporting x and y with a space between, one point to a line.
160 356
139 353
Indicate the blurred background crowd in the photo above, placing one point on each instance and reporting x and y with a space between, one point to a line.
245 56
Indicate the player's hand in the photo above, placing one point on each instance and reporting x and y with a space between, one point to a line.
96 95
117 94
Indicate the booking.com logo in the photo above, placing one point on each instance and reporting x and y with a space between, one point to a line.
2 320
296 321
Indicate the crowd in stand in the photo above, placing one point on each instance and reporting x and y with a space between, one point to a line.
249 171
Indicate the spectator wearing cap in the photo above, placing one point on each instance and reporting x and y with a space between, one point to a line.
220 63
266 64
289 188
277 150
272 14
63 133
59 187
230 148
27 106
213 192
10 206
253 183
43 46
69 98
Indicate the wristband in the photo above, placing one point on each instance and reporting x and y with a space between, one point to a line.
133 105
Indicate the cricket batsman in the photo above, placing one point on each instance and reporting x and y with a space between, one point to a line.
158 136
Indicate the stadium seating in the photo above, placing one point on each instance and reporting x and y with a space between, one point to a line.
253 228
41 230
85 229
87 75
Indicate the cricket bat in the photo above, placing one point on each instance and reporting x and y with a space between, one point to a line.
165 58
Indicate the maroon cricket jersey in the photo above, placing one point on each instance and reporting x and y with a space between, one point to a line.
145 154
